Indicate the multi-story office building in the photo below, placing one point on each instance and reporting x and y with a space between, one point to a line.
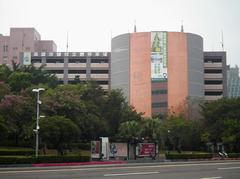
22 40
233 82
159 71
72 66
215 77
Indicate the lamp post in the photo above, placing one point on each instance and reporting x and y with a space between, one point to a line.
38 117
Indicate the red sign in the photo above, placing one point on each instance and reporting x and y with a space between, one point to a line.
146 149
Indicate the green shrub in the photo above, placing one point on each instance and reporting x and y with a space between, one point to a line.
14 151
42 159
83 146
234 155
189 156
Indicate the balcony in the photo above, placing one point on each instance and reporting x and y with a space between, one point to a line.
76 65
213 76
212 98
37 64
105 87
214 87
212 65
54 65
59 76
102 76
99 65
72 76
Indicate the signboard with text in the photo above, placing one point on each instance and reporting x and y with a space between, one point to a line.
145 149
159 57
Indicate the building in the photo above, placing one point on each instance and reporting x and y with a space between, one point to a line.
22 40
215 75
233 82
73 66
158 71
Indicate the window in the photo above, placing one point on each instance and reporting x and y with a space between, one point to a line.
159 105
77 61
76 71
157 92
5 48
212 71
36 60
104 60
56 71
212 60
55 61
213 82
99 71
102 82
213 93
15 48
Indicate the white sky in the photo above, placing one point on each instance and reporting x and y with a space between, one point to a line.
90 23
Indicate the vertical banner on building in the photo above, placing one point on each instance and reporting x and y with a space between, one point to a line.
95 149
159 58
26 58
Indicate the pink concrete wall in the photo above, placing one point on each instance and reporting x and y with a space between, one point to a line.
177 70
140 72
23 40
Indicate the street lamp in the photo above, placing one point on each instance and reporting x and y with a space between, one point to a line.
38 117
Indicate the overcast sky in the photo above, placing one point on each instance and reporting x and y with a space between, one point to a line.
91 23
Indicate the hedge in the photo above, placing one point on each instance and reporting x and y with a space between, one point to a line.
234 155
42 159
6 151
189 156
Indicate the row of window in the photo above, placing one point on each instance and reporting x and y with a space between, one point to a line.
159 105
211 60
39 60
157 92
213 71
74 82
213 93
79 71
213 82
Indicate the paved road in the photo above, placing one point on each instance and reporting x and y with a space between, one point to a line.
171 170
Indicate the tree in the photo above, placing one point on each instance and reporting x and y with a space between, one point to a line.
178 129
151 128
4 90
17 112
116 110
129 130
58 132
219 117
19 80
4 73
3 129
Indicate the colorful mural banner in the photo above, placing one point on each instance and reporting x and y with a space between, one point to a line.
95 149
159 58
118 150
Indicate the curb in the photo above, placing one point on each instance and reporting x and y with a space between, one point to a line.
79 163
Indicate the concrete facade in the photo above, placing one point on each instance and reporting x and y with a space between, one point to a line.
72 65
215 75
22 40
185 71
